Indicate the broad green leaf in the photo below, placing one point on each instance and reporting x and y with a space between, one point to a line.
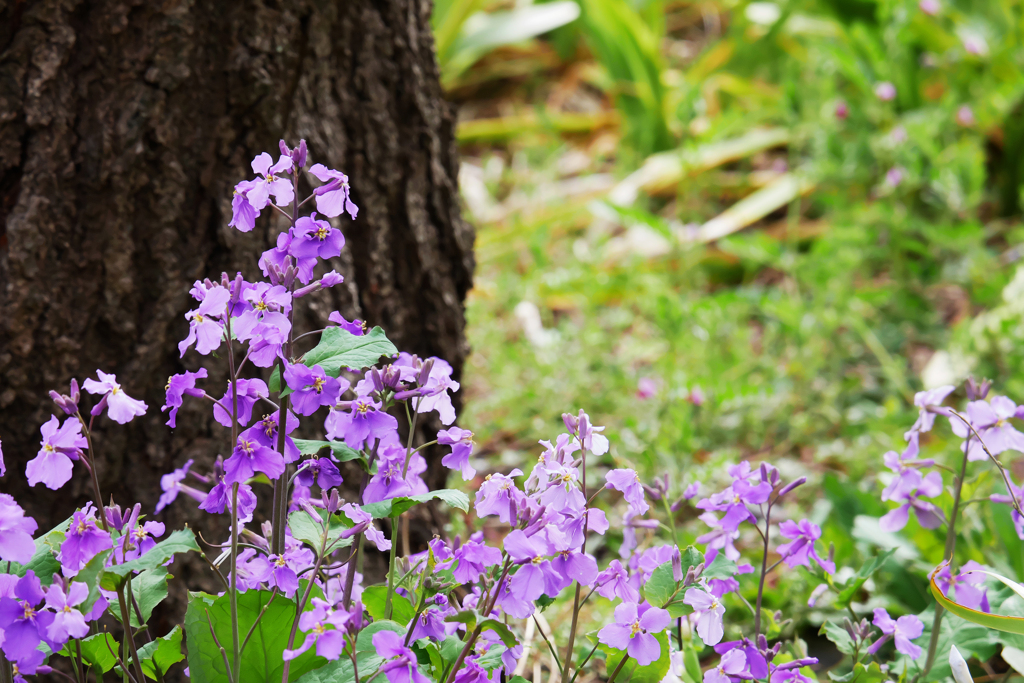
181 541
91 575
339 451
501 629
364 642
847 593
149 589
97 651
861 674
306 530
340 670
661 586
1013 657
691 663
838 635
632 672
375 598
262 660
450 648
162 653
467 617
491 659
396 506
43 562
720 568
971 639
339 349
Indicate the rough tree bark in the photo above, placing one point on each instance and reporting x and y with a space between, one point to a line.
124 126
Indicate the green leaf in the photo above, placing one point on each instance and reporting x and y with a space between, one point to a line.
652 673
43 562
340 670
969 638
91 575
181 541
467 617
691 663
862 575
501 629
162 653
149 589
306 530
339 451
838 635
661 586
993 621
396 506
339 349
450 648
262 660
364 642
97 651
720 568
374 600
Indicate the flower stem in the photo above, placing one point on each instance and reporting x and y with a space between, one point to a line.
611 679
583 549
933 641
305 599
129 639
764 569
6 672
391 567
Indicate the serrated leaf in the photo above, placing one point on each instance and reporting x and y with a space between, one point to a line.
339 349
161 654
375 601
262 659
306 530
396 506
720 568
181 541
149 589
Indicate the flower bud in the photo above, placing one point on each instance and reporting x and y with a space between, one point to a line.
977 392
762 642
424 375
571 423
378 383
792 485
299 155
961 674
283 146
308 289
392 377
406 395
764 472
677 565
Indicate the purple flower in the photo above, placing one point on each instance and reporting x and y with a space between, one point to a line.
249 457
885 91
633 629
279 571
313 238
67 622
323 470
83 542
316 622
535 576
461 441
171 485
430 624
646 388
472 560
471 672
628 482
269 306
402 665
177 387
915 487
563 492
311 388
904 465
613 583
360 517
499 496
243 213
271 181
333 198
204 330
573 564
265 432
756 664
904 630
331 279
22 622
732 663
249 391
991 420
218 501
121 407
16 531
360 426
52 466
28 665
1018 493
139 541
510 602
389 482
356 327
595 521
968 587
930 403
735 498
801 550
435 389
709 612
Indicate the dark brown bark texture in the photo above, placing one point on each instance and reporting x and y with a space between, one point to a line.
123 129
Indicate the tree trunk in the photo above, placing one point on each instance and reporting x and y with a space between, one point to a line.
123 129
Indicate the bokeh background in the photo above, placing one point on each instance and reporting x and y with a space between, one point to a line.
744 230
